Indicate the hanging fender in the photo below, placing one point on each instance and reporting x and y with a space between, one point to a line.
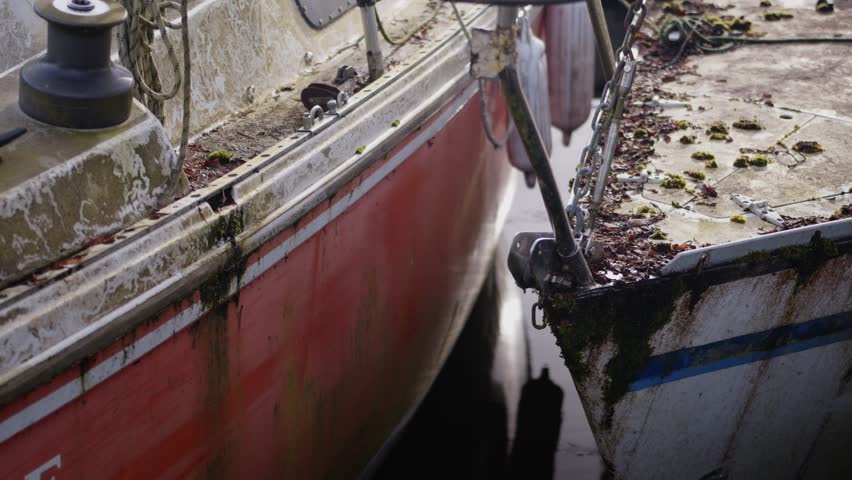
571 59
532 66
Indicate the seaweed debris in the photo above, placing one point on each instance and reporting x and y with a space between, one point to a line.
748 125
776 16
759 160
808 147
673 181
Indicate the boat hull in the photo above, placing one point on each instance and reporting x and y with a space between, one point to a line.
741 371
320 354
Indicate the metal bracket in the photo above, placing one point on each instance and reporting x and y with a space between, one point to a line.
491 51
310 119
641 178
535 263
760 208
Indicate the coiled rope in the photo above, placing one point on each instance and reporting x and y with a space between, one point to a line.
135 40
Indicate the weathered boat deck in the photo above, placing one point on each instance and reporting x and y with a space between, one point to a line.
796 92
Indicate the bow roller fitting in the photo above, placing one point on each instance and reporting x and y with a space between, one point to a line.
76 85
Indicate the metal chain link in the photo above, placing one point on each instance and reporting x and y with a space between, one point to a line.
590 159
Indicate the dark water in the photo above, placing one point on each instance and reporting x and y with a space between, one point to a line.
504 406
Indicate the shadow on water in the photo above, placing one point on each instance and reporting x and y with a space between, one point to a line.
465 425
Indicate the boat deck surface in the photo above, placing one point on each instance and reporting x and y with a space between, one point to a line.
795 92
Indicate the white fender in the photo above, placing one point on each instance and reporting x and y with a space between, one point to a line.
571 58
532 66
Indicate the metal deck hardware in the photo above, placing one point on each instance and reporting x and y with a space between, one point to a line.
76 85
541 260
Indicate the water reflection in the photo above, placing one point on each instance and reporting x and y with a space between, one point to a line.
460 430
538 423
485 417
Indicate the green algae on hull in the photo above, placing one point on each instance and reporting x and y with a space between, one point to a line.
806 259
629 321
623 319
225 229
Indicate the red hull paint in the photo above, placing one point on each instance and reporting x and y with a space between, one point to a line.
309 368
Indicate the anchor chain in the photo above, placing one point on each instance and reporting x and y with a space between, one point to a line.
607 115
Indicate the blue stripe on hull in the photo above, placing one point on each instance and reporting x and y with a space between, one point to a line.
690 362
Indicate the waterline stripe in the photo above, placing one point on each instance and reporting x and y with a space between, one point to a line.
736 351
109 367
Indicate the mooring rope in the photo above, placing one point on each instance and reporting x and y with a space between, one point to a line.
135 39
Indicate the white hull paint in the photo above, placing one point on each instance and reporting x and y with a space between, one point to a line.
750 377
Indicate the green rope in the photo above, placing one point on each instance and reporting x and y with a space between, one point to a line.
704 35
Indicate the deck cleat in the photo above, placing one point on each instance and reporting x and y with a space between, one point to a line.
535 263
642 178
760 208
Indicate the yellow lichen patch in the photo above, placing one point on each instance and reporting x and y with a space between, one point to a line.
701 155
775 16
717 127
748 125
696 175
673 181
222 156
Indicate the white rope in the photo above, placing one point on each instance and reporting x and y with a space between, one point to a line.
135 39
